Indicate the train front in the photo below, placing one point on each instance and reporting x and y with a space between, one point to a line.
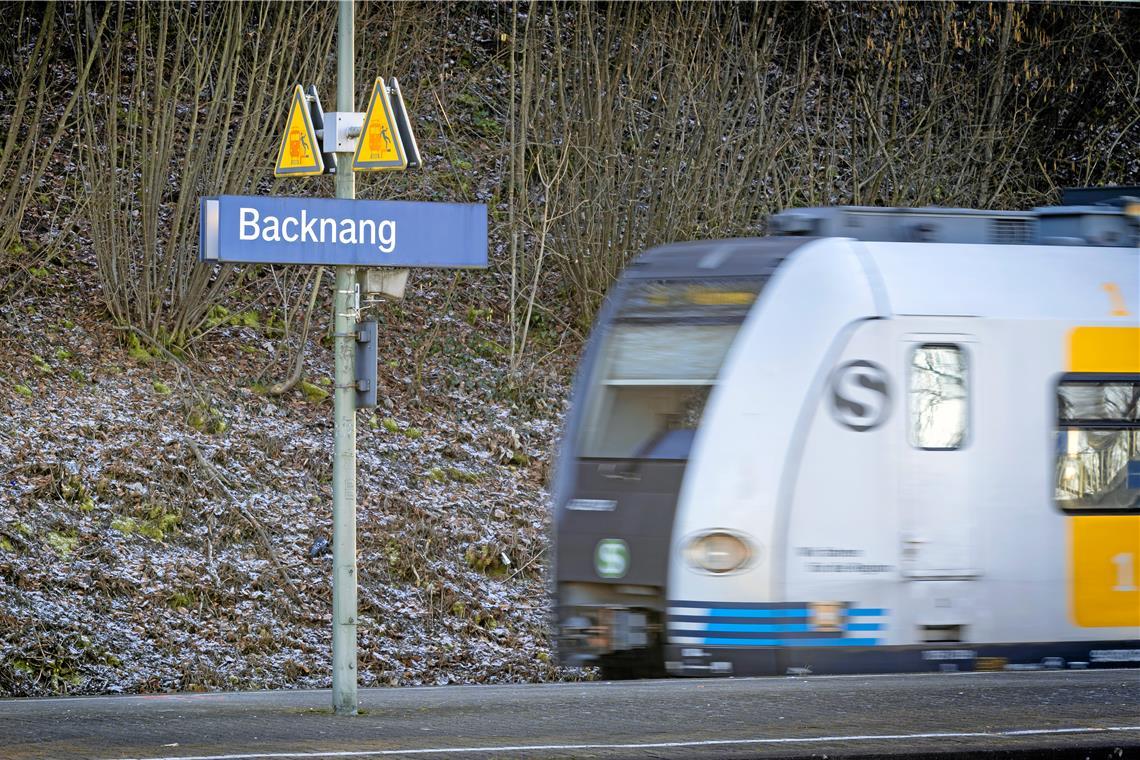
647 373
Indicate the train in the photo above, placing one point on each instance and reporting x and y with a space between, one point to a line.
877 440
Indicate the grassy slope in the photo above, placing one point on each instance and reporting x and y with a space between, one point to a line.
163 527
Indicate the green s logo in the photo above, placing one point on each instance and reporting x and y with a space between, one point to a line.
611 558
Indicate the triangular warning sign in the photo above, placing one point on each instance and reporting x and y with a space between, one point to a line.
379 146
407 136
299 154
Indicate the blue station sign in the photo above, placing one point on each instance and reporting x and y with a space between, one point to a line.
335 231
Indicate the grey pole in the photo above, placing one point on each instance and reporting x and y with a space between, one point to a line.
344 411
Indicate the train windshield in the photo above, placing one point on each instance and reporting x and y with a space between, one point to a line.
660 360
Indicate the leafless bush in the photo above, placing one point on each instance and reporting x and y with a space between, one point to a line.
697 120
37 113
185 104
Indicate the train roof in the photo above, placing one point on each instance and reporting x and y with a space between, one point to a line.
1078 262
1112 223
1097 217
1055 262
733 257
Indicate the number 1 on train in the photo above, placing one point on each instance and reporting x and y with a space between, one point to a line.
1124 572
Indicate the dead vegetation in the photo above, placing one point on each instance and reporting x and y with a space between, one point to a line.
141 552
640 124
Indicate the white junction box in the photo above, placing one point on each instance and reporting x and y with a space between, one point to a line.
342 130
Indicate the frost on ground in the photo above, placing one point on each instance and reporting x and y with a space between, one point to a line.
164 528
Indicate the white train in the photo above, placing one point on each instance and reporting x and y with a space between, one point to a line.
886 439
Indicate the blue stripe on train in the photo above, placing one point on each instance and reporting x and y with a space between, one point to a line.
747 628
778 628
861 642
760 612
715 620
738 613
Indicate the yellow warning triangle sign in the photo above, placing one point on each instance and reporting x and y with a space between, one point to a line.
299 154
379 146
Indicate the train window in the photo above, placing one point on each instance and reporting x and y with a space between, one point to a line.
657 380
938 397
659 361
1098 442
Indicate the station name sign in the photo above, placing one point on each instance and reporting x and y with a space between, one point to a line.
336 231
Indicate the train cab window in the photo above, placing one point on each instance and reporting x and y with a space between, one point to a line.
660 359
654 391
1098 443
938 397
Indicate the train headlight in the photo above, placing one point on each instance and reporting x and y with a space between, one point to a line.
718 552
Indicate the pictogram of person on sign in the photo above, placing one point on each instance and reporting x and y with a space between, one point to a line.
299 146
374 141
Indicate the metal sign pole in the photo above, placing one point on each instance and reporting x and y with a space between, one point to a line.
291 230
344 680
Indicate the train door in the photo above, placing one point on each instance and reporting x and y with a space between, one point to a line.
941 469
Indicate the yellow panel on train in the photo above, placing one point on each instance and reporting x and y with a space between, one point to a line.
1106 580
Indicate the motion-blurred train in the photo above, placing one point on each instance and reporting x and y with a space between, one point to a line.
880 440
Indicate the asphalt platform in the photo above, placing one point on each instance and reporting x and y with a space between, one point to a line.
1044 714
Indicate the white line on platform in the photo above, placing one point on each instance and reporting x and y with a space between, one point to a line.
649 745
